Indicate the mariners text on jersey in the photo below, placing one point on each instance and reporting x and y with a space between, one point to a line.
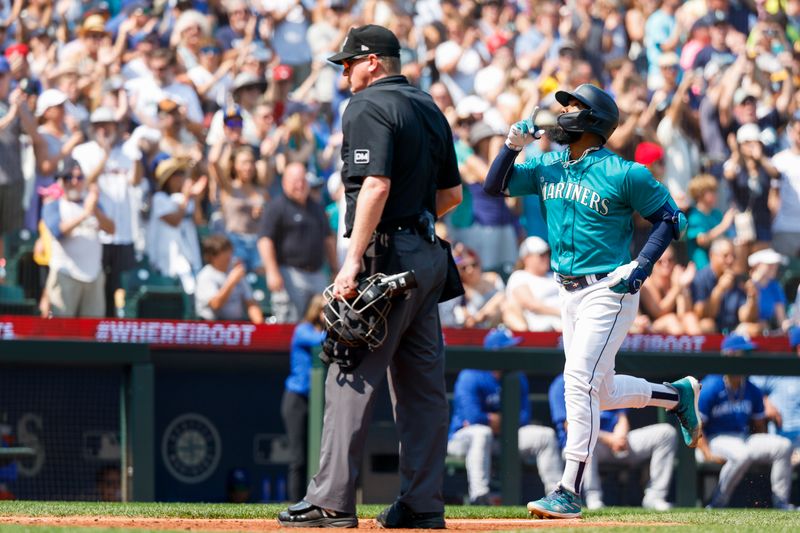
576 193
588 206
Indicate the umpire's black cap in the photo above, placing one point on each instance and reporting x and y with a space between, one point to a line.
365 40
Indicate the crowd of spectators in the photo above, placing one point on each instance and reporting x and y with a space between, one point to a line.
189 118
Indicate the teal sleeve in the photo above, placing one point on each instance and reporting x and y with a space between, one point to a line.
524 178
645 194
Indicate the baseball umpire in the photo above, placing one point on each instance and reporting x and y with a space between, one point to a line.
399 173
588 195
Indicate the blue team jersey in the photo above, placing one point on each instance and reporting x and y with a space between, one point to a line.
558 411
477 393
729 411
588 206
784 393
304 339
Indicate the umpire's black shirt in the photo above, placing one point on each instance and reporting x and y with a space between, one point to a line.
395 130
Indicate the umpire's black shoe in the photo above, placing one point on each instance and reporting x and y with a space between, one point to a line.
304 514
399 515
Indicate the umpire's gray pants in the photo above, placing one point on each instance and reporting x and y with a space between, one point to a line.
414 356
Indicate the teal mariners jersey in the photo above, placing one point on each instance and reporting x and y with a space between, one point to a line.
588 206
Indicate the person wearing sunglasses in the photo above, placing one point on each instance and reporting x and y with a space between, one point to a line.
400 173
76 282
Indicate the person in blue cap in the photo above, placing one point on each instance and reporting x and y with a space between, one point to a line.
782 397
476 422
729 405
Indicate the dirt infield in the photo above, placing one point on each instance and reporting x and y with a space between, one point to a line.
193 524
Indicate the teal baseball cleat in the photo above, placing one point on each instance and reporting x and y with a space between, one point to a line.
561 503
687 412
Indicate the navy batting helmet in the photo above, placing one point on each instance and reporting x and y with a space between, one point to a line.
601 117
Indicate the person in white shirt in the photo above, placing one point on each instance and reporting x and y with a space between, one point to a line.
172 241
117 177
786 224
532 293
212 77
147 91
222 292
76 280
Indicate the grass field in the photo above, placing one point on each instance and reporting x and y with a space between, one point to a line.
606 520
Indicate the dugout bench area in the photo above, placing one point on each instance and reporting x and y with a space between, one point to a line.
546 362
147 383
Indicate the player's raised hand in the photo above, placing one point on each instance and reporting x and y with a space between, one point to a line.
524 132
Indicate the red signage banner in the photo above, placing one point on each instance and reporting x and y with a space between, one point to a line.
244 336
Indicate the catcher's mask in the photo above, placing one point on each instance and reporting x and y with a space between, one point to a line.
361 321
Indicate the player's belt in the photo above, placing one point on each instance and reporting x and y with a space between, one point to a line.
576 283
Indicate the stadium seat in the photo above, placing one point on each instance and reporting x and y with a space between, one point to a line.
258 283
150 294
13 301
13 241
153 301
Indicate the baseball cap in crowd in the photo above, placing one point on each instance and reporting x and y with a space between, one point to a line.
4 66
95 23
567 46
767 256
17 49
741 94
168 168
282 73
668 60
736 342
748 133
101 115
232 117
248 79
533 246
499 338
167 105
49 98
480 131
794 336
716 18
471 105
65 168
365 40
495 41
648 153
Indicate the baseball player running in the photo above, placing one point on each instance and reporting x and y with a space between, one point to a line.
588 195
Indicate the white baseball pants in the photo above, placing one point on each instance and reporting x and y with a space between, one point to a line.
657 443
741 452
595 322
475 442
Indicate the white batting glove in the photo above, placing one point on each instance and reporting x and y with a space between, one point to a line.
627 278
524 132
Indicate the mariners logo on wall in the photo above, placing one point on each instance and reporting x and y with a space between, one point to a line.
191 448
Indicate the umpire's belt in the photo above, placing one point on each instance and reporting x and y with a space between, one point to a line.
407 225
575 283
